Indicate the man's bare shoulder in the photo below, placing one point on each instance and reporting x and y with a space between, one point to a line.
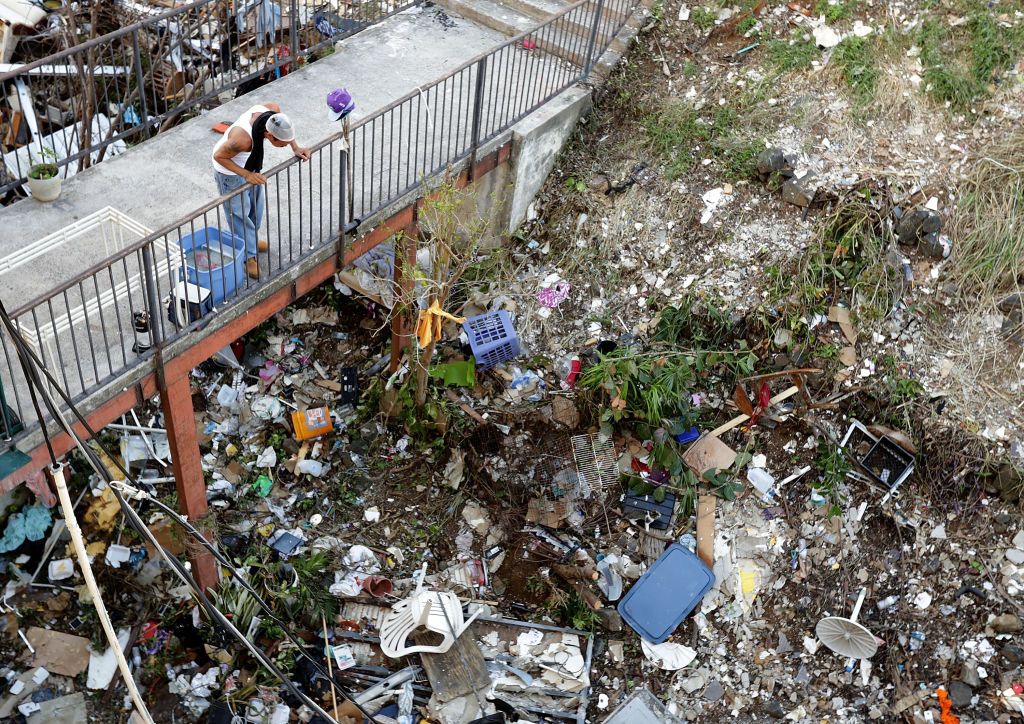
237 141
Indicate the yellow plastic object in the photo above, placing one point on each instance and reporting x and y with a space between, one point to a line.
311 423
428 326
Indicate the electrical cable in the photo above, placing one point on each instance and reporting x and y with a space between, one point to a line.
183 522
136 492
132 516
211 610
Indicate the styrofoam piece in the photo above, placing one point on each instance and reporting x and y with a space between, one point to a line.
61 569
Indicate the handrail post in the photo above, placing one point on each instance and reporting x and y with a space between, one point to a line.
140 81
343 210
293 33
7 434
593 38
152 300
478 107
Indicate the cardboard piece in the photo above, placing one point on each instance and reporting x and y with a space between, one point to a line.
706 506
841 316
69 709
59 653
709 453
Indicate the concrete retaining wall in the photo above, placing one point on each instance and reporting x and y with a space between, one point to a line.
537 142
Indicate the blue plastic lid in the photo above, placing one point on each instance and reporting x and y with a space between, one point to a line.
666 594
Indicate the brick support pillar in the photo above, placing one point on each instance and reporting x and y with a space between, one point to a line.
180 420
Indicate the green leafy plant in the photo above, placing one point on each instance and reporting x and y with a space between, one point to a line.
831 482
703 18
575 184
237 603
46 167
746 25
834 12
575 611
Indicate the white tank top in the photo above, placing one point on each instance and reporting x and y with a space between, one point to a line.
244 122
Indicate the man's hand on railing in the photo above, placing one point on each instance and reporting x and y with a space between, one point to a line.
301 152
254 177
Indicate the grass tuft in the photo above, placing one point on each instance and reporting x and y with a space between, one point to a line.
681 137
988 229
964 63
856 58
703 18
785 56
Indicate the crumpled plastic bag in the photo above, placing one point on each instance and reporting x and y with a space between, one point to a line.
30 523
358 563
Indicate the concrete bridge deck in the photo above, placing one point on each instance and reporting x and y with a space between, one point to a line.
429 85
164 179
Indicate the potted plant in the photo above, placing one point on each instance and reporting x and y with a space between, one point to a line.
43 176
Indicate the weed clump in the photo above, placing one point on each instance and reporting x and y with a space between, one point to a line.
681 137
785 56
855 57
964 62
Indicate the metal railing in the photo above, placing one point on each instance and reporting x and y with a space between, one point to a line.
88 102
85 328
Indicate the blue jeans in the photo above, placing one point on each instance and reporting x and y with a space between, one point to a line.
244 211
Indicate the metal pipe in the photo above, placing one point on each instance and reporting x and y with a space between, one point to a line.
478 101
152 300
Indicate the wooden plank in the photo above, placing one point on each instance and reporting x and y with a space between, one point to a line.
743 418
458 671
706 506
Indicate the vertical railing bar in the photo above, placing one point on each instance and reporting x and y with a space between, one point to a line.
14 383
481 79
593 38
152 297
131 306
117 313
103 323
291 232
86 325
56 344
74 339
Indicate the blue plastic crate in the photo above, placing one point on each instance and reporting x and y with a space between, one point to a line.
214 260
672 587
492 338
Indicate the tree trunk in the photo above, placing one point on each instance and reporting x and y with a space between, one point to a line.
422 375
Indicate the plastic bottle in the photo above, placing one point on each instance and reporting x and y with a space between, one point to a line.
887 602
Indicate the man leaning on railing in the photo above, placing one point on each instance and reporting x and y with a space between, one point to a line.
238 160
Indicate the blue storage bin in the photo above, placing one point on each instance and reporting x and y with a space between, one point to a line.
666 594
214 260
492 338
